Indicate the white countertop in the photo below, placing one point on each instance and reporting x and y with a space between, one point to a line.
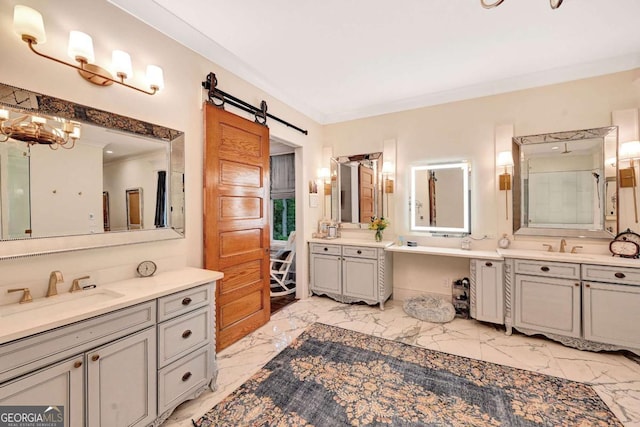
450 252
352 242
19 321
581 258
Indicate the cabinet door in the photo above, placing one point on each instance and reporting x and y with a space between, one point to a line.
121 382
547 305
489 291
325 274
360 278
611 314
60 386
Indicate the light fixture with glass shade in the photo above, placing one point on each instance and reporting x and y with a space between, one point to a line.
29 25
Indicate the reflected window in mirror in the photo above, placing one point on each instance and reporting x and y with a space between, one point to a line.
57 191
440 198
565 183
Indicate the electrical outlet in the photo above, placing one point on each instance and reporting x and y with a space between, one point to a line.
446 283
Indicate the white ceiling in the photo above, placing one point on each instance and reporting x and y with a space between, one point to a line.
338 60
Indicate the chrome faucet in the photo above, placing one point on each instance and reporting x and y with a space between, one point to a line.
563 244
54 279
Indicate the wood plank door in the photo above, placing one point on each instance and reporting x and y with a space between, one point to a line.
236 225
367 193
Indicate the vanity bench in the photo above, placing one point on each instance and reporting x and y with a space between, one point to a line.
128 360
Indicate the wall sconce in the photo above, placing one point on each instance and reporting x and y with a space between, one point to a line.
36 130
387 173
28 24
630 151
505 159
324 175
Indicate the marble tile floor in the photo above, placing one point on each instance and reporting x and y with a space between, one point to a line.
615 377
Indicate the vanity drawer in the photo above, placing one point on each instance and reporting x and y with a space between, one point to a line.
563 270
182 302
360 252
317 248
181 335
602 273
178 381
39 350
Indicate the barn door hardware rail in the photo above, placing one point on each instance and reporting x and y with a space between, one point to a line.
219 98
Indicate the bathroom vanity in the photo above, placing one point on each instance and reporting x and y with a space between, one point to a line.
125 353
581 300
351 270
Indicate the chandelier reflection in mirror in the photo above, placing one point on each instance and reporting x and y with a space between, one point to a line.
29 25
37 130
487 5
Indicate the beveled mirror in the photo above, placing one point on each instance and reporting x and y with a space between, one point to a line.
565 183
440 198
76 197
356 193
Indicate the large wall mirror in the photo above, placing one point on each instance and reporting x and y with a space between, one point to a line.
356 193
71 198
565 183
440 198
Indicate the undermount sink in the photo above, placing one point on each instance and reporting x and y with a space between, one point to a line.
68 301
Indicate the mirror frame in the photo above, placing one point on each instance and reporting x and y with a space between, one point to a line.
32 102
336 197
559 137
466 195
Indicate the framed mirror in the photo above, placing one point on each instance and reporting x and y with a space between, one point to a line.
565 184
57 197
440 198
356 191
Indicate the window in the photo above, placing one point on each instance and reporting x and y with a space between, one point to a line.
283 202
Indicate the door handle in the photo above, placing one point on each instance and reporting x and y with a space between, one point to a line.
95 357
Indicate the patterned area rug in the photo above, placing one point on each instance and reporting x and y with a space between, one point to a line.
335 377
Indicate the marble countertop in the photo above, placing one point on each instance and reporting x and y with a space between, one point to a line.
582 258
450 252
21 320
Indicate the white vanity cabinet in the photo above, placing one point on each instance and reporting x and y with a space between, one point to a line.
351 273
610 305
121 381
106 352
487 290
587 306
128 367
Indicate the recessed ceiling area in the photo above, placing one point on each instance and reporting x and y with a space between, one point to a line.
339 60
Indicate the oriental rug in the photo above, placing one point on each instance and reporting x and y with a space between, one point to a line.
331 376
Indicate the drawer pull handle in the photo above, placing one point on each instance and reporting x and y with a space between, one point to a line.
545 268
488 264
186 334
77 364
186 376
326 249
359 252
95 357
620 275
186 301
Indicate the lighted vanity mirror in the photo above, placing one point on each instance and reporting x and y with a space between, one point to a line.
440 198
356 193
565 184
78 197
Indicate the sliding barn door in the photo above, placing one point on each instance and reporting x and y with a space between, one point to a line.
236 225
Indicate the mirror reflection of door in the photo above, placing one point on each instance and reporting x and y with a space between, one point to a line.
105 211
367 193
134 209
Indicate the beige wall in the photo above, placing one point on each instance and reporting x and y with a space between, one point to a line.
178 106
466 131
